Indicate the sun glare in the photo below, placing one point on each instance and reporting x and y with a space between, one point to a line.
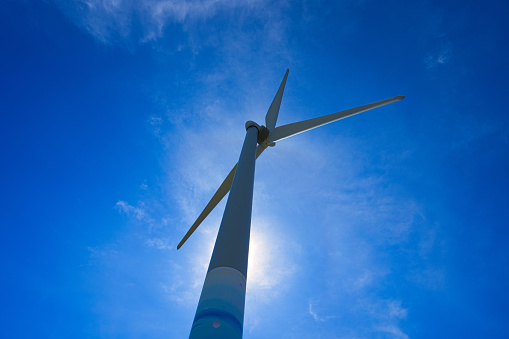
269 263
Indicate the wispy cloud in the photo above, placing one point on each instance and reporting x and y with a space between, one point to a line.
394 331
317 317
395 310
114 21
387 314
139 213
160 244
441 57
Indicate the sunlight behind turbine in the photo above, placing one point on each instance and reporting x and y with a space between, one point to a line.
220 311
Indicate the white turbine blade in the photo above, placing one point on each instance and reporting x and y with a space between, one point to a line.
273 112
216 198
286 131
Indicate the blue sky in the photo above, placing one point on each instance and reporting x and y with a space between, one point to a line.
121 118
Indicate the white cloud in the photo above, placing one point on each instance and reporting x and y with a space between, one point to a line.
137 213
365 279
347 218
317 317
387 313
439 58
393 330
160 244
395 310
112 21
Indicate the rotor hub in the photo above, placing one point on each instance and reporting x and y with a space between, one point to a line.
263 132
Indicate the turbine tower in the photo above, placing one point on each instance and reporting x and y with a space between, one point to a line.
220 311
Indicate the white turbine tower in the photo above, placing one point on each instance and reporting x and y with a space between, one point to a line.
220 311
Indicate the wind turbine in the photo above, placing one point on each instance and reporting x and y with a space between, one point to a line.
220 311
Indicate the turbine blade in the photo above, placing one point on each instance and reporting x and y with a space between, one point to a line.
286 131
216 198
273 112
259 150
